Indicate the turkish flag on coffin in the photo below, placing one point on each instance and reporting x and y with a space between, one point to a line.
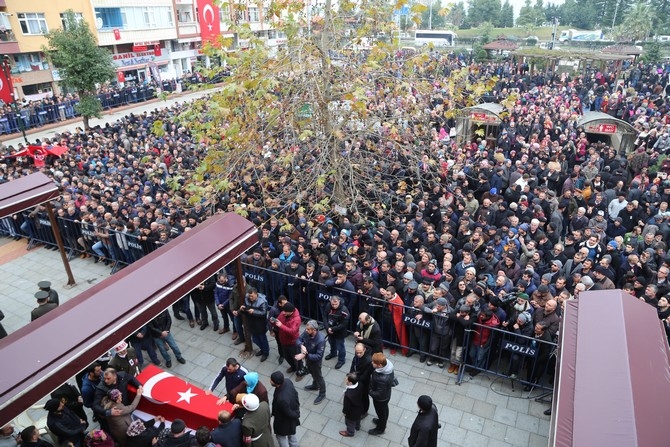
169 396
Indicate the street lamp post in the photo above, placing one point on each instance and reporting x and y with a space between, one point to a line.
7 71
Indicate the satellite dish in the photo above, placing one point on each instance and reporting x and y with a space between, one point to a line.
98 22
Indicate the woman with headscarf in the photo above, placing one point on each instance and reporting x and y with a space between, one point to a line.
250 385
119 424
143 434
98 438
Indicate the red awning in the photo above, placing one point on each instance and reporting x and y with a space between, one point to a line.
613 381
26 192
42 355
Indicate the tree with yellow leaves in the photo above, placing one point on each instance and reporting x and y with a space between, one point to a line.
339 119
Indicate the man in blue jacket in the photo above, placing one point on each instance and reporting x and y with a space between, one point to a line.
312 346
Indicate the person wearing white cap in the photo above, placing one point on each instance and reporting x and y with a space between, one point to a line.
125 359
256 423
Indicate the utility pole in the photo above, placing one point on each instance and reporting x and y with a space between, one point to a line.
553 33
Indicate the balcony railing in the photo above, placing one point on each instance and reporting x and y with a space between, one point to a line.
7 35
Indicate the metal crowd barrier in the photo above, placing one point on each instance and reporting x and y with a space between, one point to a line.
83 239
40 114
520 359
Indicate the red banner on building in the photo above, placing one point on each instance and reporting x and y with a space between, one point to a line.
210 26
5 89
157 50
117 34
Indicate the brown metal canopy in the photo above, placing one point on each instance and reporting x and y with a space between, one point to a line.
613 381
26 192
42 355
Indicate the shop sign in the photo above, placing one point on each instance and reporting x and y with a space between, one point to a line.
138 47
481 116
134 58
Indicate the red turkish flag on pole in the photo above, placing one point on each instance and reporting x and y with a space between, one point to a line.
210 26
121 76
117 34
5 89
169 396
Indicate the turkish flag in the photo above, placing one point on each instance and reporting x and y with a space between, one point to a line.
39 153
121 77
169 396
117 34
6 89
210 26
157 50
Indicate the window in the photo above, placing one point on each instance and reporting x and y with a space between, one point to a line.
37 89
63 18
29 62
146 17
253 14
109 17
149 18
32 23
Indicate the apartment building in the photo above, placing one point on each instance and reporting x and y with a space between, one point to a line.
22 28
149 39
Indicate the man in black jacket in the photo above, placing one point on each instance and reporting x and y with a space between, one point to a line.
160 330
352 406
65 423
369 333
381 385
361 365
337 318
177 436
203 297
424 429
285 409
112 379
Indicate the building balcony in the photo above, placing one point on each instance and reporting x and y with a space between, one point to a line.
8 43
23 67
188 28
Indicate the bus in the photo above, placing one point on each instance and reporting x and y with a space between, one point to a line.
439 38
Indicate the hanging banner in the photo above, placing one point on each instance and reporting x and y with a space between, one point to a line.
5 89
210 26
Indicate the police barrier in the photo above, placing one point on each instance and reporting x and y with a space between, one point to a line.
528 359
437 335
39 113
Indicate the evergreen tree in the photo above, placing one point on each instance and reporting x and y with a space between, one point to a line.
457 15
507 15
484 11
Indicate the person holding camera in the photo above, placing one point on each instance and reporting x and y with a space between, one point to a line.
287 328
256 307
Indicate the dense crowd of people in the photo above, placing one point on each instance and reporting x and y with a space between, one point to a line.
31 114
496 233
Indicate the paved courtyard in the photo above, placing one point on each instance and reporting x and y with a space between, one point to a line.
484 411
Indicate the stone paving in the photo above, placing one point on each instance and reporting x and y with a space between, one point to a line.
483 411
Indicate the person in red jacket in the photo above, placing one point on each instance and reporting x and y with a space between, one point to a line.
287 325
482 336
